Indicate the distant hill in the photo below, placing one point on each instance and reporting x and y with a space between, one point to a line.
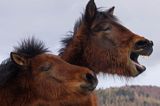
129 96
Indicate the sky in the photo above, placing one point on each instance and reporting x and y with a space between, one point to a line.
51 20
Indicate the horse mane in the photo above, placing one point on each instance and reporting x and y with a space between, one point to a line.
28 47
31 47
69 37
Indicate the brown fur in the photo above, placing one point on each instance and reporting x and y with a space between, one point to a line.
102 44
40 79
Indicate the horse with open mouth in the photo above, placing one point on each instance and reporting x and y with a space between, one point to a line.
100 43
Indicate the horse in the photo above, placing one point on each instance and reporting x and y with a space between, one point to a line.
32 76
101 43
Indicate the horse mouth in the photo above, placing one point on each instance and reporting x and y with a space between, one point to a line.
134 59
88 88
142 47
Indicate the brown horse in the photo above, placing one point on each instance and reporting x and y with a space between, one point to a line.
33 77
102 44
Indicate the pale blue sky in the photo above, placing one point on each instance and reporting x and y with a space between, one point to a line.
50 20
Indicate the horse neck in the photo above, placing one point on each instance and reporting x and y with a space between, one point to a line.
31 94
25 91
73 52
72 101
40 93
14 94
89 100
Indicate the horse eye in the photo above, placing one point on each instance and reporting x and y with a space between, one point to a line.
108 29
101 29
104 28
45 67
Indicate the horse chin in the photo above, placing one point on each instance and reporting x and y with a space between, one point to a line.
138 69
85 92
87 89
135 71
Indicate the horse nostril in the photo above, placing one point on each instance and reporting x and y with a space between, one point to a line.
144 47
141 43
90 78
144 43
91 81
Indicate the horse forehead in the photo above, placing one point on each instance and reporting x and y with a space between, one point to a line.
46 58
59 63
127 31
101 19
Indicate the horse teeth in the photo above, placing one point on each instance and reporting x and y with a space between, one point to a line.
145 57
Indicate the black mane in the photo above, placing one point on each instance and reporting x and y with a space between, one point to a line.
99 15
29 47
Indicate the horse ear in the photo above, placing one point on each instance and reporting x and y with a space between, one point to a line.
90 11
111 10
19 59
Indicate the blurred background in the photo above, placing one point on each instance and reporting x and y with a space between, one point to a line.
51 20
